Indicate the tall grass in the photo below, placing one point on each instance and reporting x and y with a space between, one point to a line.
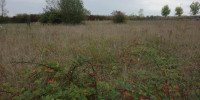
102 41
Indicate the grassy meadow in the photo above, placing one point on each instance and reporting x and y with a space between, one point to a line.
136 60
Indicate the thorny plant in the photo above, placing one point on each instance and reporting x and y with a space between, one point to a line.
148 72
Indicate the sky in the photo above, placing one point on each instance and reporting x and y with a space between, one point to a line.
104 7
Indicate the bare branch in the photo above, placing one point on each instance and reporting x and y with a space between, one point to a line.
4 11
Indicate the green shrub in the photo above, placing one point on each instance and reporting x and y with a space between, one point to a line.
118 17
44 18
55 17
72 11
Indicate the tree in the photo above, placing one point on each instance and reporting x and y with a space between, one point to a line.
87 12
68 11
165 11
141 13
51 12
4 11
55 17
194 8
52 4
179 11
72 11
44 18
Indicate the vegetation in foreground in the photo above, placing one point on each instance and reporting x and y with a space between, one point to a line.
101 60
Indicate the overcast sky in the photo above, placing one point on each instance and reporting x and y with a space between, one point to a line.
103 7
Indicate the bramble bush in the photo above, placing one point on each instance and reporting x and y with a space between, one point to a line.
142 71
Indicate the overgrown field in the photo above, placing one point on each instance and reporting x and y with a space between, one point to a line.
101 60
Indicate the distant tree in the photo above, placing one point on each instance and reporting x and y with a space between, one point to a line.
165 11
141 14
132 16
118 17
152 17
179 11
4 11
194 8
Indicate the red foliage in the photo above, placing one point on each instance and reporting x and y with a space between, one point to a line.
51 81
165 90
93 74
124 93
101 80
31 78
117 59
134 60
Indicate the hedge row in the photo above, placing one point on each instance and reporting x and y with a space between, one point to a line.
20 18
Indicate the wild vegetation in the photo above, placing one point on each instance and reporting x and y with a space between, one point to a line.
100 60
118 17
194 8
66 11
179 11
165 11
65 57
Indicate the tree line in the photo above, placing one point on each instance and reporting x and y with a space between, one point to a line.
194 9
73 12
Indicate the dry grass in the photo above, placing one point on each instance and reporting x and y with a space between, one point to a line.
99 40
61 42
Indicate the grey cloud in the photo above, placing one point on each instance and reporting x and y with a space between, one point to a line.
25 6
104 7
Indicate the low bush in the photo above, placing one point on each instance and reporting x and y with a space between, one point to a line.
118 17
